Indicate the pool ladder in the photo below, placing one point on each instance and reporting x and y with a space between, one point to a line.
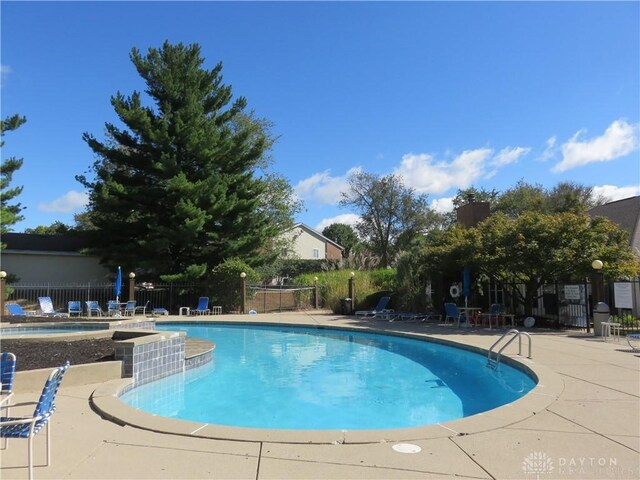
494 362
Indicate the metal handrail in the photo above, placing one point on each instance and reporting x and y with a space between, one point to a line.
516 334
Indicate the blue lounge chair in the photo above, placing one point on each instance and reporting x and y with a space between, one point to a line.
16 310
93 308
46 308
28 427
377 311
74 308
202 308
414 317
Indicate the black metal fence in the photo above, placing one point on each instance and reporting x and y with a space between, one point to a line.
571 305
171 296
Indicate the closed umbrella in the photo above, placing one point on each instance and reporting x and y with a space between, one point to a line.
118 284
466 285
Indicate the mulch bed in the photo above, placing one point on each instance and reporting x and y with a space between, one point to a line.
31 355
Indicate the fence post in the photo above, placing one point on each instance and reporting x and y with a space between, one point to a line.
315 292
352 291
557 321
3 280
132 286
243 292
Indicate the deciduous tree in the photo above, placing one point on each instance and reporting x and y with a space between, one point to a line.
390 213
536 248
343 235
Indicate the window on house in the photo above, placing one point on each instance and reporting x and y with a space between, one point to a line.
316 253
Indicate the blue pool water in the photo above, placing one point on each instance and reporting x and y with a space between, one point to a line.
28 331
306 378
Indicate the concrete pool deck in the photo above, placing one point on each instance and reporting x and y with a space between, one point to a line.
589 429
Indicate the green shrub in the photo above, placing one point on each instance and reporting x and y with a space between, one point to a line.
225 283
384 278
626 320
369 285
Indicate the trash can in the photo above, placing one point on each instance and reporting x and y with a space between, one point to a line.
346 306
600 314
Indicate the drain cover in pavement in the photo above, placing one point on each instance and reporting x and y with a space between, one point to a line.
406 448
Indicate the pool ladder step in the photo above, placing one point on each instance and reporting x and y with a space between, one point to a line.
493 358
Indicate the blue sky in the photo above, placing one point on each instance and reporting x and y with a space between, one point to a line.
448 95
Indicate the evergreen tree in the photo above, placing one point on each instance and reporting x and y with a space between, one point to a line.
178 190
9 213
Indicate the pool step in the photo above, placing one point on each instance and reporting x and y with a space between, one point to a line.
197 351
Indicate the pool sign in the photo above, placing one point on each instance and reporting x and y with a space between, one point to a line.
622 295
572 292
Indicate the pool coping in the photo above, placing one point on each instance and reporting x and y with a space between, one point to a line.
105 400
108 328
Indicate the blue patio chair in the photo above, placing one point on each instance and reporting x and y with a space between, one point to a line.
496 312
142 308
378 309
93 308
46 308
452 312
28 427
633 339
7 375
113 308
493 314
203 307
16 310
130 308
74 308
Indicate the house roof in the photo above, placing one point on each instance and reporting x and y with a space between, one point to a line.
625 213
316 234
42 243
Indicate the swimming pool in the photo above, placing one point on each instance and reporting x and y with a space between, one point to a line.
325 379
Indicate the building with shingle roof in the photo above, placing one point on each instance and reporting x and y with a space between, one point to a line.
626 214
50 258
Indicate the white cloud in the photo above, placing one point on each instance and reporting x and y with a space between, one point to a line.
509 155
550 149
613 193
346 218
69 202
422 173
618 140
322 188
5 70
442 205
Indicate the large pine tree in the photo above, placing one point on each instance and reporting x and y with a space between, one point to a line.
9 212
177 191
